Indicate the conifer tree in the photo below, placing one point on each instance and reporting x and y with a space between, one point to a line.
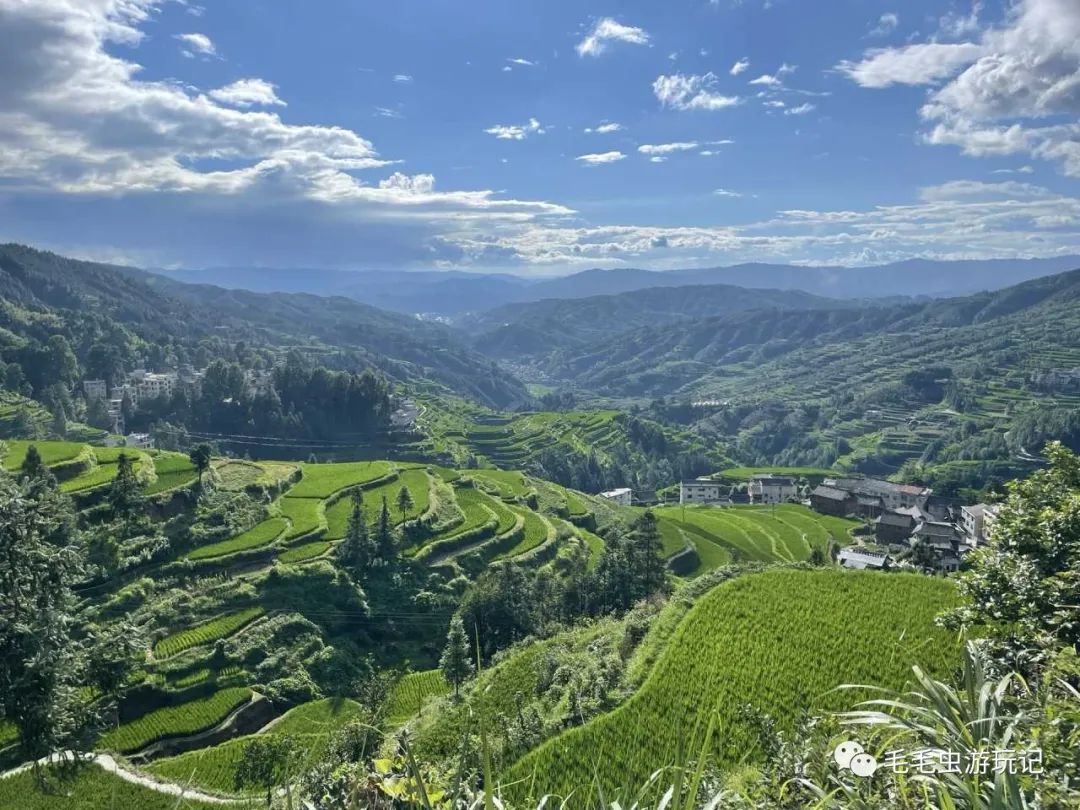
404 502
384 533
455 663
357 551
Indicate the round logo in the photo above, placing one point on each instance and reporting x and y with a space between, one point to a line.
863 765
844 753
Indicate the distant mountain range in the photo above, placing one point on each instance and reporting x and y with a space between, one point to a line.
454 293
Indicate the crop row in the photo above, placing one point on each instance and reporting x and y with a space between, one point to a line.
415 481
308 551
262 534
175 721
206 633
323 480
781 641
410 693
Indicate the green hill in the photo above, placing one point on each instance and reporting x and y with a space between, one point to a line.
781 640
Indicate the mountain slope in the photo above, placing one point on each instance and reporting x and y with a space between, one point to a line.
534 328
157 308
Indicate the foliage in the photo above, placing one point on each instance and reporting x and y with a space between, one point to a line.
265 762
411 692
456 663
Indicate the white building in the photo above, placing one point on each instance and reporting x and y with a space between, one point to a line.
972 521
891 496
142 441
861 558
623 496
152 386
769 488
701 490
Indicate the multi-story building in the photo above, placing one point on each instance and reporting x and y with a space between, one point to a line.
95 389
769 488
701 490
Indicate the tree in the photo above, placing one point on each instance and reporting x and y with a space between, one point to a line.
357 551
456 665
59 423
384 533
125 494
1021 587
112 658
404 502
33 468
97 414
200 456
265 763
39 658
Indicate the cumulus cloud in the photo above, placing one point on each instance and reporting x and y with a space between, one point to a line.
1001 89
740 67
667 148
606 31
248 93
605 128
516 132
601 157
196 45
691 92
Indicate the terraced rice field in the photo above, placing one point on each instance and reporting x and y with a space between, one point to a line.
416 481
310 725
262 534
175 721
172 470
323 480
206 633
411 692
51 452
308 551
537 532
92 788
781 640
305 515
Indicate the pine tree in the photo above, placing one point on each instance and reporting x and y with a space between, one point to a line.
456 665
357 551
384 533
33 468
404 502
59 425
125 495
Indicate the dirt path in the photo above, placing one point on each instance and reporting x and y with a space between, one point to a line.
107 763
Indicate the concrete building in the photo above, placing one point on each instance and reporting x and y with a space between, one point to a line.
623 496
142 441
701 490
769 488
890 495
152 386
975 522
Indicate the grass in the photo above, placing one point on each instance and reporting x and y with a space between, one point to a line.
510 484
262 534
206 633
305 515
172 470
323 480
780 640
175 721
308 551
311 725
92 788
537 532
409 694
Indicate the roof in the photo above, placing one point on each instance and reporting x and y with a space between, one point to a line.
895 519
615 493
876 485
976 509
770 478
933 528
866 500
861 558
831 493
699 483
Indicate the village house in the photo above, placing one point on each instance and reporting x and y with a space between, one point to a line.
701 490
862 558
893 527
623 496
975 522
95 389
832 501
769 488
885 494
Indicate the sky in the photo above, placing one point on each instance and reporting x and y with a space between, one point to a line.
539 138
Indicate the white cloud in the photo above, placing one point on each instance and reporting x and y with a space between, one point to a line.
957 190
956 26
766 80
1020 170
516 132
607 30
248 93
724 192
775 104
522 62
802 109
667 148
1002 89
403 78
923 63
740 66
605 128
691 92
388 112
197 44
414 184
600 157
657 159
886 24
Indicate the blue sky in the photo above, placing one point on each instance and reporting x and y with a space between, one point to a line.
539 137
